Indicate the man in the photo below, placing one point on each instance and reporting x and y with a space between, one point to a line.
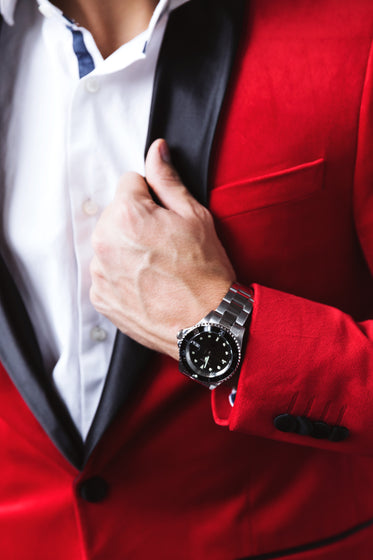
266 108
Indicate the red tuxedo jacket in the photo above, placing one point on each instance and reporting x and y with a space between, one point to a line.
268 108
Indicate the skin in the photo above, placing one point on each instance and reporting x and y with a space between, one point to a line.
112 22
157 269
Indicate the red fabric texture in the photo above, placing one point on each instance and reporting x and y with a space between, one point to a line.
291 192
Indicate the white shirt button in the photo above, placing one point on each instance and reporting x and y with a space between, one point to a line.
90 208
98 334
92 85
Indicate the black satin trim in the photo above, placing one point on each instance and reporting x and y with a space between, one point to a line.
128 363
311 546
21 357
195 63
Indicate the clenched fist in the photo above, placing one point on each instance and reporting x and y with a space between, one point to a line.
157 268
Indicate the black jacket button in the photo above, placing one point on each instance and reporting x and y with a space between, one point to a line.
339 433
305 426
286 423
321 430
94 489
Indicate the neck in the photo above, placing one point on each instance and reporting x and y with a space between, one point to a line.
113 22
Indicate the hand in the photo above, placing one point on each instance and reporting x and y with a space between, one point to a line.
157 269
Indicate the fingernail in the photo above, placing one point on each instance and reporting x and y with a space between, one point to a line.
165 152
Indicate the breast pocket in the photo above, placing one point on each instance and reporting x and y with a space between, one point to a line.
275 227
265 191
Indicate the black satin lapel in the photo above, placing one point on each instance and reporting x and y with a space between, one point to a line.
127 366
20 355
192 74
194 67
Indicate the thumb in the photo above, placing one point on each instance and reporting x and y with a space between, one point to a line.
164 180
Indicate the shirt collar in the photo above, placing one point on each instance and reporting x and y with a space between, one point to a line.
7 8
162 7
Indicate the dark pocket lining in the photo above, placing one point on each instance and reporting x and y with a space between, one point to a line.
310 546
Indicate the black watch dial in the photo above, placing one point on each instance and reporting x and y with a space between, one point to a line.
210 353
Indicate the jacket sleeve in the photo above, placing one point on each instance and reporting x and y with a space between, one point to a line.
307 374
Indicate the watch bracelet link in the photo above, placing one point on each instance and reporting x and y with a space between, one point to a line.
234 310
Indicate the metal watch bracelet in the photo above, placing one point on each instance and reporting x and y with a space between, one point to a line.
233 311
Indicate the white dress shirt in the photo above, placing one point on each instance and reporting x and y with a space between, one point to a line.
69 136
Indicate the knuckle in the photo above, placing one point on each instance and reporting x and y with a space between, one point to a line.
201 213
98 242
172 180
94 297
93 268
129 183
128 177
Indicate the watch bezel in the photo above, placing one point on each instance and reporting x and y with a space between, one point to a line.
208 380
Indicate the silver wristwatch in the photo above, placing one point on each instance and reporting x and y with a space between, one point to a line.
210 351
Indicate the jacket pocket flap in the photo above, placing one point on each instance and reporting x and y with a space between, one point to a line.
268 190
